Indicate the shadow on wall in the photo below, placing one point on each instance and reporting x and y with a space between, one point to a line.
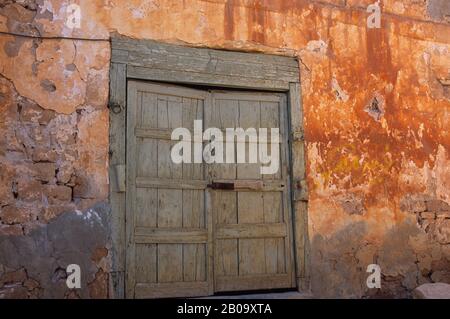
34 266
408 255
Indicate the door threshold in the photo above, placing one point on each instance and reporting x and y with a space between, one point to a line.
269 295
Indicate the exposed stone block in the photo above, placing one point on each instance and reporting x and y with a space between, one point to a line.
6 184
58 193
52 211
428 215
437 205
41 154
45 171
29 190
66 174
442 231
14 215
443 215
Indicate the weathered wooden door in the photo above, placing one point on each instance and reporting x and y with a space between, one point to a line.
183 237
252 223
167 223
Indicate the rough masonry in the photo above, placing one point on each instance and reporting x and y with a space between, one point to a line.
376 112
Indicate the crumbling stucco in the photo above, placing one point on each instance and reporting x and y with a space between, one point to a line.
376 112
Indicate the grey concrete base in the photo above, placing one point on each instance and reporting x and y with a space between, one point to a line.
275 295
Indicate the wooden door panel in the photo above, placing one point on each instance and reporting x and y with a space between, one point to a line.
252 227
168 250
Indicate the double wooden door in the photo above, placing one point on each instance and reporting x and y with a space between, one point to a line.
186 234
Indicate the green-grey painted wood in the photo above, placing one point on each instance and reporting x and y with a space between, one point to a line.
152 60
300 195
117 99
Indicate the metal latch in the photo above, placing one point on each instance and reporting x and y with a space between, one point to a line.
225 185
236 185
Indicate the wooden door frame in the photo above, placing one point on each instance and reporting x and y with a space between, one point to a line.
155 61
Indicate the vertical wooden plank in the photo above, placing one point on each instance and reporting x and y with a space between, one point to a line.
210 222
117 131
225 207
295 107
193 209
282 260
149 110
146 263
252 258
146 207
175 111
226 257
163 113
132 101
194 262
147 157
273 213
192 110
288 244
170 207
170 262
249 114
224 114
249 117
166 167
273 207
270 118
298 173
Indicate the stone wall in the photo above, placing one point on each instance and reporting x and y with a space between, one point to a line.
376 112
